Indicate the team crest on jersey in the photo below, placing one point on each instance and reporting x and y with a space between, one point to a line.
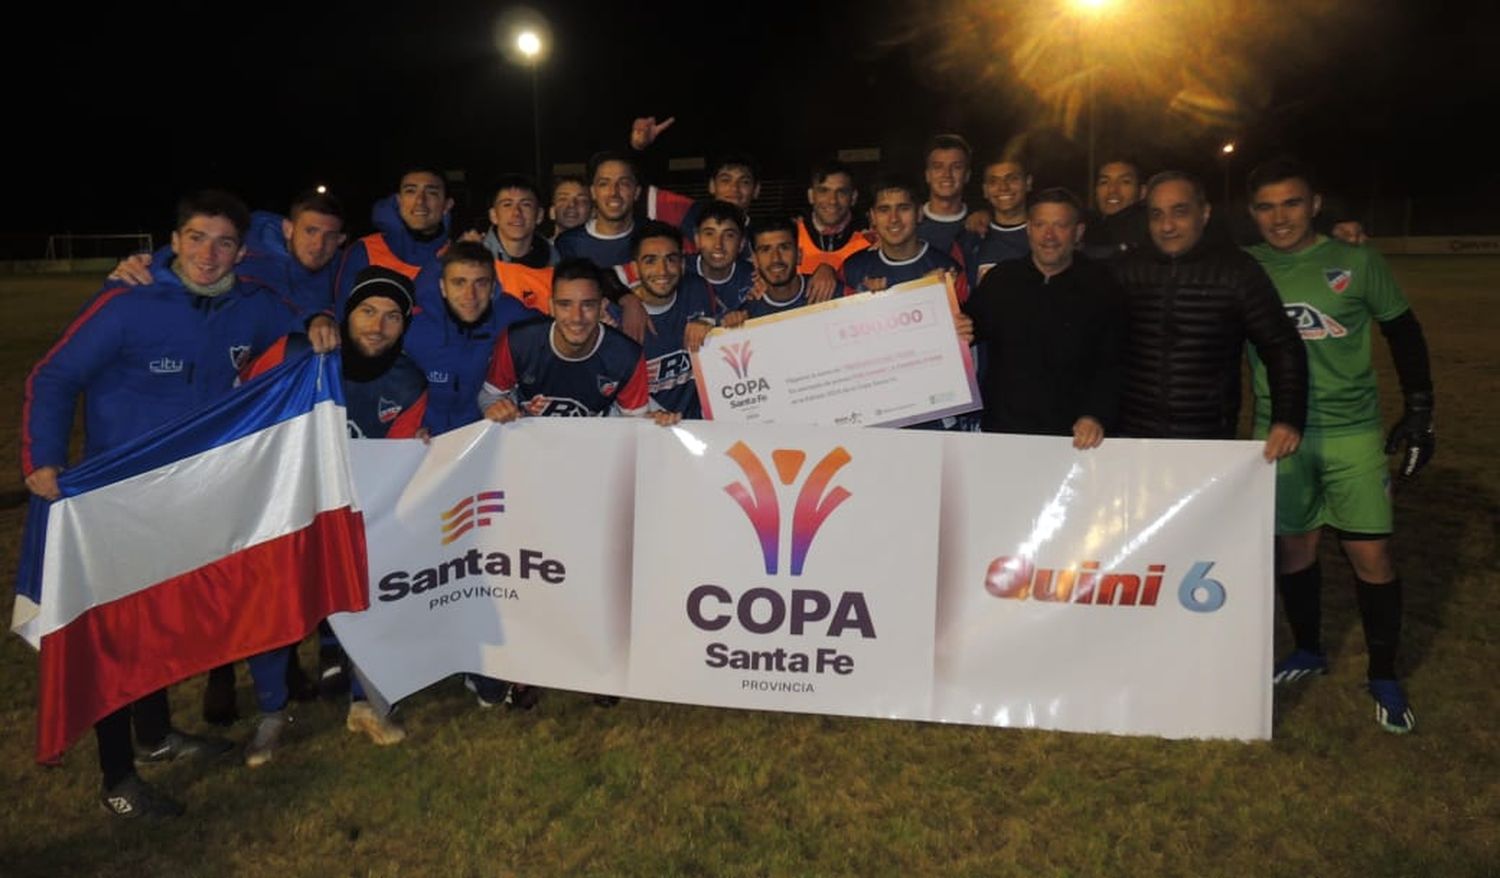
437 377
239 355
387 410
606 384
1313 324
1338 278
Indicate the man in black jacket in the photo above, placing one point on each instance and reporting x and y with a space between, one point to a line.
1192 304
1055 324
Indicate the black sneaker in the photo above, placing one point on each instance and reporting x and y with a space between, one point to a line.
219 708
181 745
523 697
132 798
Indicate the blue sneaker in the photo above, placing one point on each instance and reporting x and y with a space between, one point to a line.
1301 663
1391 709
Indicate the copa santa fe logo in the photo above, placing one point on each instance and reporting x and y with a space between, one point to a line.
478 572
745 389
798 611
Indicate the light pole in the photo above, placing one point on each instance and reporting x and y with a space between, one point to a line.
530 45
1088 12
1227 152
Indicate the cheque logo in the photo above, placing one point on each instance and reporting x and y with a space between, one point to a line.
815 500
471 512
737 355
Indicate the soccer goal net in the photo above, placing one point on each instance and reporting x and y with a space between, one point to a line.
71 246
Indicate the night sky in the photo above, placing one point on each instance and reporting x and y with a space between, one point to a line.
119 111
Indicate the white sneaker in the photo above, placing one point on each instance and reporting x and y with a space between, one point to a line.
267 737
382 729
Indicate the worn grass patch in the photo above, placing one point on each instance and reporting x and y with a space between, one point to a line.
656 789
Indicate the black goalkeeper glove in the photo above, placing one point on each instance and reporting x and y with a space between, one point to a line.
1412 435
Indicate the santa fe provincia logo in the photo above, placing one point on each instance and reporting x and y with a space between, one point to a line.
759 500
469 513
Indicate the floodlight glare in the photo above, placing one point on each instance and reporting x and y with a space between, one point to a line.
529 43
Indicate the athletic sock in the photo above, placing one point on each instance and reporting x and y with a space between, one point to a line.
1302 596
1380 611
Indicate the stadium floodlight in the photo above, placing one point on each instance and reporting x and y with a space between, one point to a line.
1091 7
322 190
529 43
1227 148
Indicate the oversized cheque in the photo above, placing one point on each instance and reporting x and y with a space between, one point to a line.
889 359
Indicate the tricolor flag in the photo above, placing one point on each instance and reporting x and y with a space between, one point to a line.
218 536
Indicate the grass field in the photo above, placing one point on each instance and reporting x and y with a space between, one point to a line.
655 789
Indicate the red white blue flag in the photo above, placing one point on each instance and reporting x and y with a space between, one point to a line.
224 534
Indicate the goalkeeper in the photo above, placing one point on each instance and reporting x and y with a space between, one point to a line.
1339 477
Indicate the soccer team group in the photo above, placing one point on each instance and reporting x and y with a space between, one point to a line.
1128 319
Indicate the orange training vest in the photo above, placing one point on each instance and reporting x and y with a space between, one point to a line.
812 257
532 286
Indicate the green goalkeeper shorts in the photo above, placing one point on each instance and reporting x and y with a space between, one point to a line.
1341 481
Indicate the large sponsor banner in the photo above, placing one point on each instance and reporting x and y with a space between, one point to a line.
873 359
1127 589
991 580
786 568
497 550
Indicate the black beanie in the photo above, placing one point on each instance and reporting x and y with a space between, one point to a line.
377 280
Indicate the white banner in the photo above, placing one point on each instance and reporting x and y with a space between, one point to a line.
1126 589
993 580
787 568
497 550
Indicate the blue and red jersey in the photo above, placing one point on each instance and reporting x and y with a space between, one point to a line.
872 264
389 406
141 357
609 252
1002 244
528 369
669 366
729 293
764 307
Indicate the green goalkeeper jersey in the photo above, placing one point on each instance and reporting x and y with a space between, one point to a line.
1332 291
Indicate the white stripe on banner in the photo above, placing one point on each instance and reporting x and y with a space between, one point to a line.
993 580
124 522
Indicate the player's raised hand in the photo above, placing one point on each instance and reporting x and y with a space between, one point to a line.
694 334
133 271
963 324
978 223
323 334
1282 440
822 285
1087 433
43 482
502 411
645 130
1413 436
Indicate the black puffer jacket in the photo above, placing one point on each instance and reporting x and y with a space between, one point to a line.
1189 320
